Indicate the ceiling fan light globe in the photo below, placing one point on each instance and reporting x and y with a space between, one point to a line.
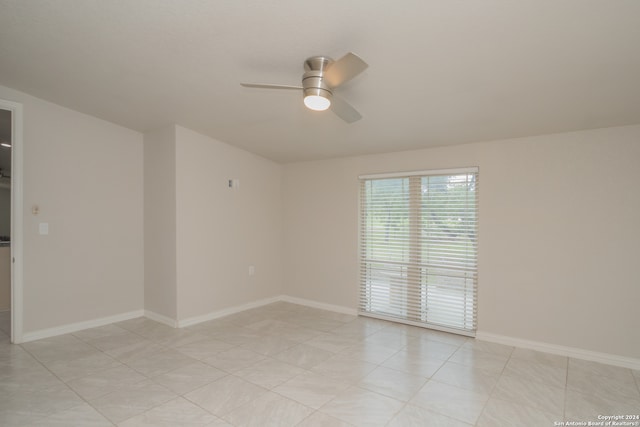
317 102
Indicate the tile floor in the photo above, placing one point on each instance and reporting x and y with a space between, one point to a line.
289 365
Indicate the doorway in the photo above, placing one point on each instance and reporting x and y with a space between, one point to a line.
11 221
5 222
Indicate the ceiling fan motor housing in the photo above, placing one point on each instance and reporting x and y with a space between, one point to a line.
312 80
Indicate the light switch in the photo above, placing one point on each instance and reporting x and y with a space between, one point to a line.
44 228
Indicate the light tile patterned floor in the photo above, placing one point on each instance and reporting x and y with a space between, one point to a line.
289 365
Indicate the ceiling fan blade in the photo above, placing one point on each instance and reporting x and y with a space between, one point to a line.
269 86
344 69
344 110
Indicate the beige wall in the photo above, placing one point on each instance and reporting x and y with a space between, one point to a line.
221 231
85 175
320 238
558 241
160 222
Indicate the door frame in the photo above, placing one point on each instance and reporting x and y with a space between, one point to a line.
16 218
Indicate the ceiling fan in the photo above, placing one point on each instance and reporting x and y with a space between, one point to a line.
322 75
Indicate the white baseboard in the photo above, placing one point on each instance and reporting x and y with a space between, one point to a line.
255 304
320 305
161 318
190 321
75 327
576 353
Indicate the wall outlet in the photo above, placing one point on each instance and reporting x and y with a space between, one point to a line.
43 228
252 270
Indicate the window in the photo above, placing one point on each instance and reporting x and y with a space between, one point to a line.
418 248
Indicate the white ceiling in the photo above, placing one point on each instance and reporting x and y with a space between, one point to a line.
440 71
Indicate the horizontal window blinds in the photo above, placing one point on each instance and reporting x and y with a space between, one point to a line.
418 248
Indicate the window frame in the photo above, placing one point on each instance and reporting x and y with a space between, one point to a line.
412 200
